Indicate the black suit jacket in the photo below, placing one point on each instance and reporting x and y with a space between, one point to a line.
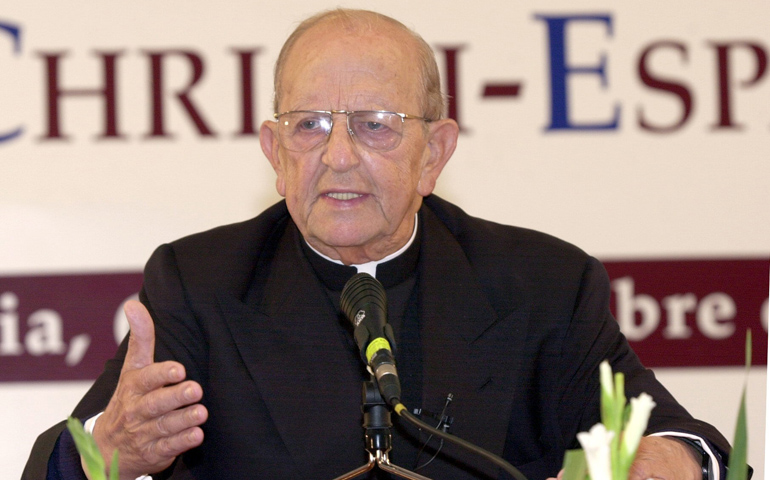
513 322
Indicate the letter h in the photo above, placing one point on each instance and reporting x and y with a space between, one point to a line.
108 93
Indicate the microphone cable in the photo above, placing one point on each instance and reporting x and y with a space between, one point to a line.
404 413
442 423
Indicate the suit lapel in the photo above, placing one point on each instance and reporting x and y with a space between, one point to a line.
291 342
463 340
288 334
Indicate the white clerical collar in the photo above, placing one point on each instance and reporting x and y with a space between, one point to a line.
371 267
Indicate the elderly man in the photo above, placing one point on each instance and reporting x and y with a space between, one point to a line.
238 365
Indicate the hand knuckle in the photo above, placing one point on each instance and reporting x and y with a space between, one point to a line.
126 418
161 425
147 456
151 407
145 380
163 447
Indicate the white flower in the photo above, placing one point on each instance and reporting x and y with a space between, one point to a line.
641 407
596 445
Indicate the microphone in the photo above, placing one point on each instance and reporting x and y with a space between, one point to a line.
364 303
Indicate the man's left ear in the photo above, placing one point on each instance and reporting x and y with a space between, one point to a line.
441 145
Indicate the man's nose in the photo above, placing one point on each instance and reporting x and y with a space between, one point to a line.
341 153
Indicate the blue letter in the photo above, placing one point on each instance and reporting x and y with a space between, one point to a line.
15 34
560 70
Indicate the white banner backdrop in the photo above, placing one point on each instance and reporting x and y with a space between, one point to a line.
634 130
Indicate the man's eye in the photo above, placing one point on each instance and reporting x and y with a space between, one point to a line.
308 125
373 128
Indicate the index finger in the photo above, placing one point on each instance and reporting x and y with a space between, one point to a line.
141 340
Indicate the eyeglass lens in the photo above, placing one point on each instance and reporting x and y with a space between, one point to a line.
303 131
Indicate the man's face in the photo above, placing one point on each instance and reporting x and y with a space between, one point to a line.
350 202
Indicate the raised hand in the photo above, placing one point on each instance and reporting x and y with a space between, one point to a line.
154 415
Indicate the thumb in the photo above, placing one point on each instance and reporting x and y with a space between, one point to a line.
141 340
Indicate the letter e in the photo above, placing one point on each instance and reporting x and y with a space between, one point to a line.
714 311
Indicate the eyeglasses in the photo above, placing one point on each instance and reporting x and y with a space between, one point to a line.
303 130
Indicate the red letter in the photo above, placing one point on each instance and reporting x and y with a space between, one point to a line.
156 65
108 93
656 83
453 90
248 126
723 70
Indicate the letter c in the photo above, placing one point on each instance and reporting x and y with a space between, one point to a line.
15 32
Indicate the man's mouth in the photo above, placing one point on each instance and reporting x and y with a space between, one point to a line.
343 195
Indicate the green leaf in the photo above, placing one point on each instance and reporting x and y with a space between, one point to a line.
114 467
86 446
748 351
737 468
626 413
620 397
618 410
575 466
607 393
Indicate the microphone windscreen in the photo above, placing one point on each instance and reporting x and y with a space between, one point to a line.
363 292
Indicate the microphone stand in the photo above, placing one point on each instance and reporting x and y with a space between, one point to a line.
377 436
